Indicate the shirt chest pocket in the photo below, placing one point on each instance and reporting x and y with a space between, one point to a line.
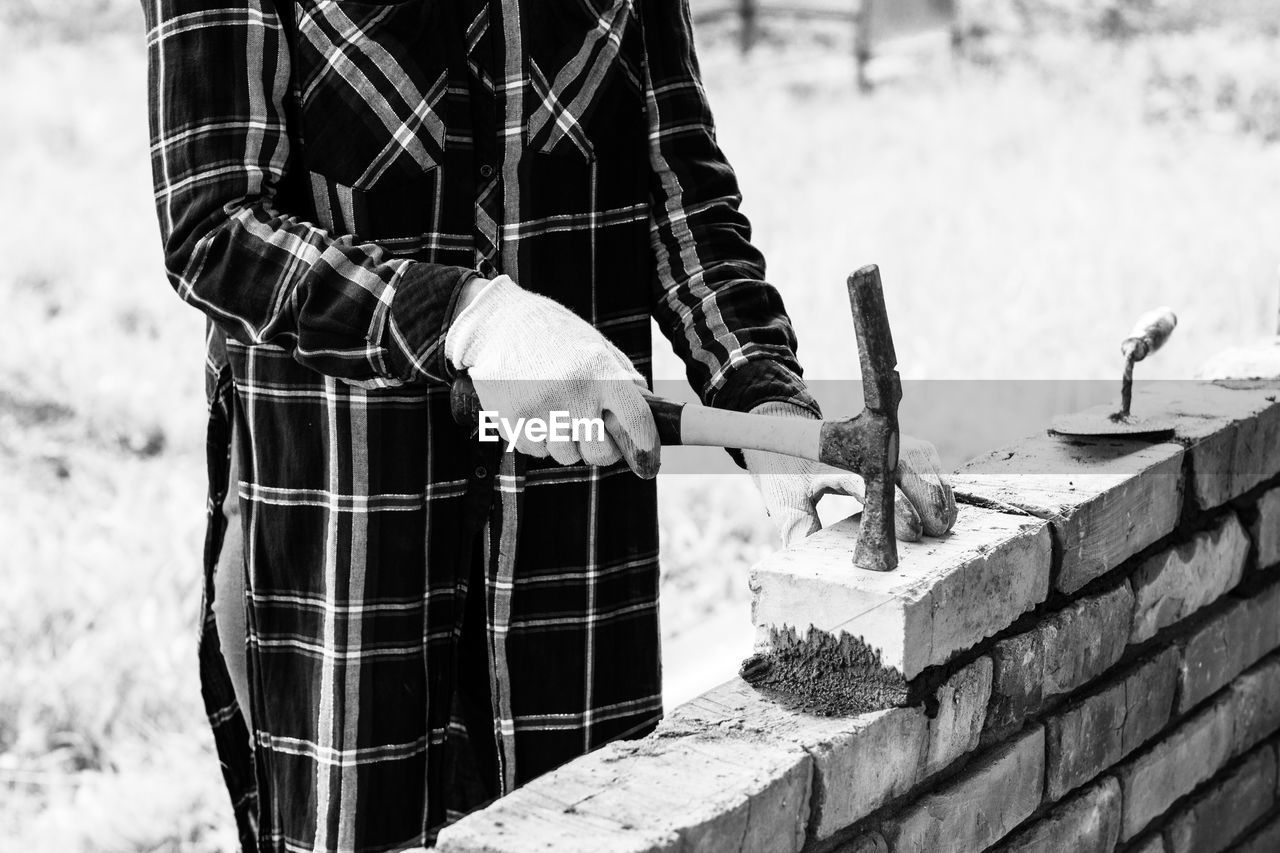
585 87
370 89
400 215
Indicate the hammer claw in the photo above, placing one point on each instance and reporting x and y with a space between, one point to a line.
876 549
881 387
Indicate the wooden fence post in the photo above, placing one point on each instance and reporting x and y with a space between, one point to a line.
862 42
748 11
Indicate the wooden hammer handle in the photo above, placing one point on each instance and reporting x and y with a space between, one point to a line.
702 426
692 425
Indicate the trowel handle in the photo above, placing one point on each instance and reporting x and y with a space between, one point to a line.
1149 333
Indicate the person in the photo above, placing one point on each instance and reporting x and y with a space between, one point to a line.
366 199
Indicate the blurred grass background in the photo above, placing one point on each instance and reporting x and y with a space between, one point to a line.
1078 163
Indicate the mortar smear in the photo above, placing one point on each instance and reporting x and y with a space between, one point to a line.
824 675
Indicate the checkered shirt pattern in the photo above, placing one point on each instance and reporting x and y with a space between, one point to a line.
327 175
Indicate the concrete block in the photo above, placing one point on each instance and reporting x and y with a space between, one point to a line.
1106 499
859 762
979 807
1231 803
1066 650
725 793
1178 581
962 709
1230 429
1266 530
1255 698
858 770
1092 735
1088 822
1189 755
535 818
1233 640
946 595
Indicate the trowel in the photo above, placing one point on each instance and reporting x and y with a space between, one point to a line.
1149 334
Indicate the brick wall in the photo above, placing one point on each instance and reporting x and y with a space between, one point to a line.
1091 662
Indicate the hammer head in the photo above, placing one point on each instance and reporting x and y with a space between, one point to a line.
868 442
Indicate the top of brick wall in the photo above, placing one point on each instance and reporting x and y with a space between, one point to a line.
1044 515
1044 529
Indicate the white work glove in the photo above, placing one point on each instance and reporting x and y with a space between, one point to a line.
791 487
529 356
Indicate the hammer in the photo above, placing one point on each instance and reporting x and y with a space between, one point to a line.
866 444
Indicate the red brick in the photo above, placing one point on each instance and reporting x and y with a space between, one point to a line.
1090 736
1230 803
962 709
1106 499
1266 530
871 843
1189 755
1088 822
978 808
1234 639
1239 718
1256 704
1149 695
1174 583
1265 839
1151 844
1084 740
1066 650
1017 688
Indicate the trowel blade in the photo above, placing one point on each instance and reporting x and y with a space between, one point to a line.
1098 424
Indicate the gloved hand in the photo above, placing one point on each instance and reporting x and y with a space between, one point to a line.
529 356
791 487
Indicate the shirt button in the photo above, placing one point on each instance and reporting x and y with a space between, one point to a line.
486 171
481 472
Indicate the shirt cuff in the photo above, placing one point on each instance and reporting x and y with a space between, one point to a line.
423 305
762 381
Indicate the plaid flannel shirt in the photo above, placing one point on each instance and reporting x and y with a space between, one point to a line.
327 174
